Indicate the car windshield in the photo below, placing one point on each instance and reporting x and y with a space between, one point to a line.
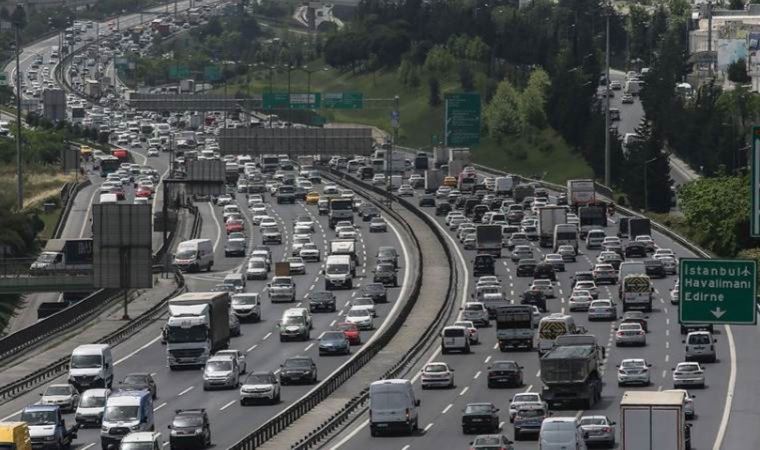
136 379
257 264
333 336
335 269
186 254
121 413
629 327
92 401
321 296
219 366
85 361
299 363
243 300
531 413
281 282
699 339
374 287
357 313
436 368
188 420
292 321
634 363
38 417
57 390
525 398
363 302
470 409
593 421
258 379
688 368
346 327
506 365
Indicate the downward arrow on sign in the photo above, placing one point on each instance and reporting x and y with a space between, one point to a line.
717 312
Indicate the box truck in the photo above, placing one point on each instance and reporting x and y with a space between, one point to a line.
198 326
580 192
64 255
652 419
548 218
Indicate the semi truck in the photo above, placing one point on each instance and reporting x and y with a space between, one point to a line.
639 227
433 179
570 371
548 218
198 326
580 192
488 239
654 420
64 255
514 326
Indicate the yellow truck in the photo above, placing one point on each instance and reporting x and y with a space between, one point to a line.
15 436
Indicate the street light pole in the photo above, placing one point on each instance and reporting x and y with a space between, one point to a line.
646 183
19 172
607 164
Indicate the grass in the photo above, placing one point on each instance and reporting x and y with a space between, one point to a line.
420 123
39 184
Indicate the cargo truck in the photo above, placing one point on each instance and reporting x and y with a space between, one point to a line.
421 162
198 326
64 255
343 247
654 420
570 371
548 218
504 185
433 179
15 436
488 239
591 217
47 427
440 156
340 209
639 227
580 193
514 326
459 158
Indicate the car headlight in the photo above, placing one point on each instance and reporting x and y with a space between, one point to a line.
199 431
50 438
104 429
134 427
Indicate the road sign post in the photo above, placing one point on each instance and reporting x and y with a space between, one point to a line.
755 180
462 121
717 291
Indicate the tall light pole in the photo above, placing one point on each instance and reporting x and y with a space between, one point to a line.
607 164
18 23
646 182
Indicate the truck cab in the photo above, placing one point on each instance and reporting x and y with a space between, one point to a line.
15 436
47 428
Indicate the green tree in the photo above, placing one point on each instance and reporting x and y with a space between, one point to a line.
466 78
533 101
737 71
434 91
502 115
477 50
646 154
439 60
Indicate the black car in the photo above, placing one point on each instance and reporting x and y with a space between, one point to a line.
581 276
385 273
190 429
298 369
334 343
376 291
636 317
140 382
534 297
368 212
442 208
654 268
562 199
322 301
544 271
387 255
234 248
505 373
526 267
484 265
480 417
635 250
366 173
427 200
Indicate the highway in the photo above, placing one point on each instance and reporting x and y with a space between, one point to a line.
440 417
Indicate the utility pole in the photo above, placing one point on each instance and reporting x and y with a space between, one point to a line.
607 164
389 154
709 36
19 172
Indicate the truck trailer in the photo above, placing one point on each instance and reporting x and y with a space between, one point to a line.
488 239
570 371
548 218
580 192
654 420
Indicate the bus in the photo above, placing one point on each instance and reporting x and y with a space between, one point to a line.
108 164
552 326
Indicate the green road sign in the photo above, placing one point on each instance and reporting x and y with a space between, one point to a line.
212 73
717 291
462 122
755 180
3 79
343 100
179 72
279 100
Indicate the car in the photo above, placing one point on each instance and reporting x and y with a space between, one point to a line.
647 241
321 301
234 322
437 374
688 374
528 419
190 428
333 343
700 346
364 303
312 198
257 269
238 356
297 265
224 199
385 273
480 416
669 264
310 252
298 242
234 247
64 395
567 252
505 373
626 99
636 317
346 232
545 286
378 225
633 371
604 273
405 190
579 300
544 271
474 335
603 309
477 313
556 260
630 334
534 297
616 85
152 152
376 291
635 250
298 369
351 331
426 200
221 372
491 442
378 179
138 382
526 267
598 430
688 404
674 295
233 225
142 192
589 286
91 407
655 268
524 398
260 386
442 208
362 318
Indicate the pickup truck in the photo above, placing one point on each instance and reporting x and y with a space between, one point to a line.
282 289
47 427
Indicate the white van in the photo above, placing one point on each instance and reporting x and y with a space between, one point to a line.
594 238
455 338
338 272
561 433
247 306
91 366
392 407
551 327
630 268
126 410
108 198
194 255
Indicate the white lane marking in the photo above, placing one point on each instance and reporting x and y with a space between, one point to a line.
88 446
12 415
447 408
185 391
667 357
429 426
308 347
252 348
729 390
529 388
406 447
267 336
487 359
119 361
664 373
218 226
322 335
464 391
477 375
159 406
332 323
227 405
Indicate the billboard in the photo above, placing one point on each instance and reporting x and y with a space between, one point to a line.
205 170
122 244
730 51
296 141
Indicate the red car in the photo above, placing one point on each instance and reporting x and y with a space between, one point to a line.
119 193
234 225
143 191
351 331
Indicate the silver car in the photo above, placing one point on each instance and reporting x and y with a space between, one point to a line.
598 430
580 300
630 334
521 252
221 372
633 371
688 374
63 395
602 310
567 252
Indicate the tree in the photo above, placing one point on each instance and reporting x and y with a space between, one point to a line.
439 60
502 116
737 72
477 50
533 101
466 78
646 154
434 91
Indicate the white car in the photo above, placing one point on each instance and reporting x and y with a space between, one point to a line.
580 300
297 266
64 396
688 404
346 232
405 190
152 151
362 318
630 334
260 386
258 217
364 303
257 209
237 355
437 374
299 240
303 223
633 371
664 252
488 280
647 241
669 263
688 374
470 325
267 221
310 252
603 309
257 269
587 285
522 399
545 286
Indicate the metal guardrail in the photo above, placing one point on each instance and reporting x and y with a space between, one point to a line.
306 403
